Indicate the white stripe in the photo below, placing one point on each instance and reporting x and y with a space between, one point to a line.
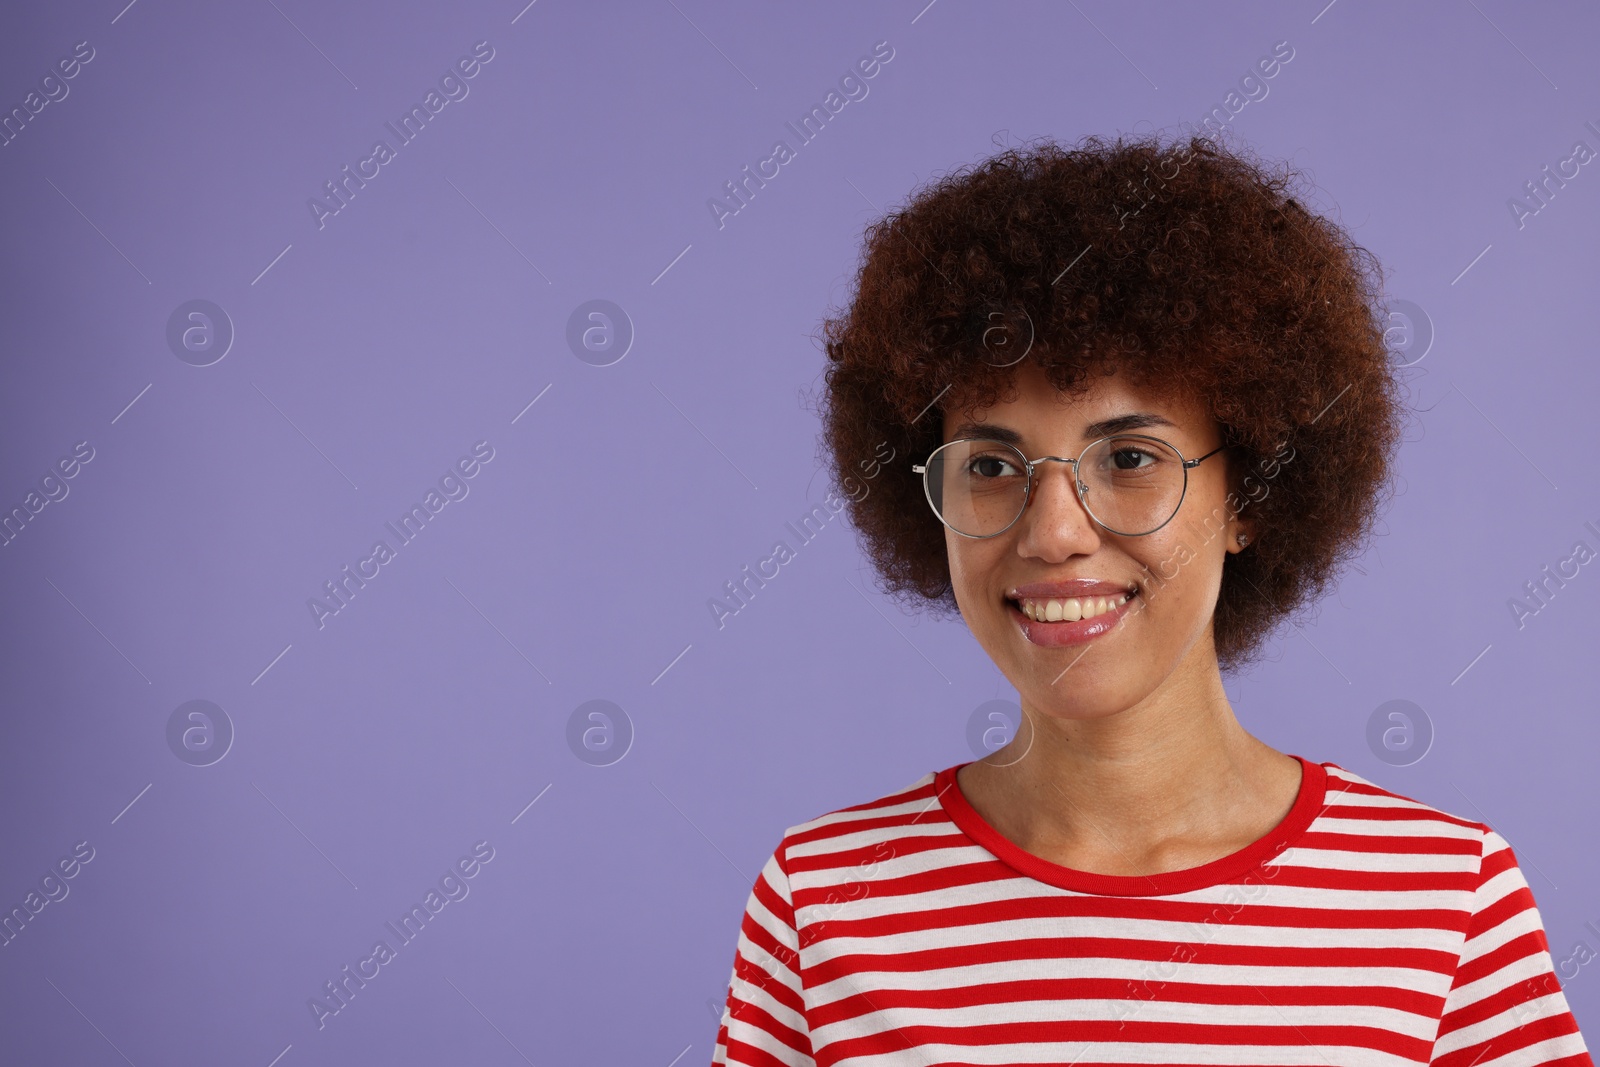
857 898
739 1030
867 838
1332 859
1505 1022
1519 970
1150 973
1547 1051
1403 827
842 816
755 996
988 932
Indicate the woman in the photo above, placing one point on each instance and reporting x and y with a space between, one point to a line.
1151 413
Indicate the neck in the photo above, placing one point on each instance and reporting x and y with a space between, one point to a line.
1171 782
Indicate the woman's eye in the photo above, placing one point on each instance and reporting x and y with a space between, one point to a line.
990 467
1129 458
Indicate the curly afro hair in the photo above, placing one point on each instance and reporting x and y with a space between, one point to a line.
1188 267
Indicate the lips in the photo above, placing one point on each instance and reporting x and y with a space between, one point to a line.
1070 587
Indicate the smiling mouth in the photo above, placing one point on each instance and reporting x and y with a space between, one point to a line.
1068 609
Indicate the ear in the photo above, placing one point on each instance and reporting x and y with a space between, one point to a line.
1238 504
1241 528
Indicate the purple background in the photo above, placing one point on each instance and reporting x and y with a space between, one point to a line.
369 754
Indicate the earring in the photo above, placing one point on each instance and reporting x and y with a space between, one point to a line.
1243 539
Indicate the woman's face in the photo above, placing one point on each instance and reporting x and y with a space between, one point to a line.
1161 635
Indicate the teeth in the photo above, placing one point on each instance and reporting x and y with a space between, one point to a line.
1071 609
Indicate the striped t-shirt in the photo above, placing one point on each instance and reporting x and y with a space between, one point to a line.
1366 929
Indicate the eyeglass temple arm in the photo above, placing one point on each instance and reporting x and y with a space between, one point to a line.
1196 462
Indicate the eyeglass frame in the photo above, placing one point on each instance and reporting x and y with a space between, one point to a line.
1078 484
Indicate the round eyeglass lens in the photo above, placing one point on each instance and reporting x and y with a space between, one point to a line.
1131 485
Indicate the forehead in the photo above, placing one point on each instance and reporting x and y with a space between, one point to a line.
1032 401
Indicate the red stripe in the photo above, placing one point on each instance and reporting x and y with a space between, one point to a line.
1392 843
1135 994
1075 948
1073 1032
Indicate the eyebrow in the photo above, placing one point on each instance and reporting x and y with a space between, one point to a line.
1095 430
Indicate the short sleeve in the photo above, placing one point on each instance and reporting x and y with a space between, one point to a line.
763 1021
1505 1007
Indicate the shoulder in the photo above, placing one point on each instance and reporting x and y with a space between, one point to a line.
863 833
1355 806
1353 796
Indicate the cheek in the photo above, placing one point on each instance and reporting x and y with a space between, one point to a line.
961 571
971 563
1181 570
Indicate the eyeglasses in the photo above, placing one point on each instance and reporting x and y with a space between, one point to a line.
1130 483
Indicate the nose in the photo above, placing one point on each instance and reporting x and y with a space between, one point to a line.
1055 523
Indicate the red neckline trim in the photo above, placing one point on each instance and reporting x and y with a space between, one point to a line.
1308 803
